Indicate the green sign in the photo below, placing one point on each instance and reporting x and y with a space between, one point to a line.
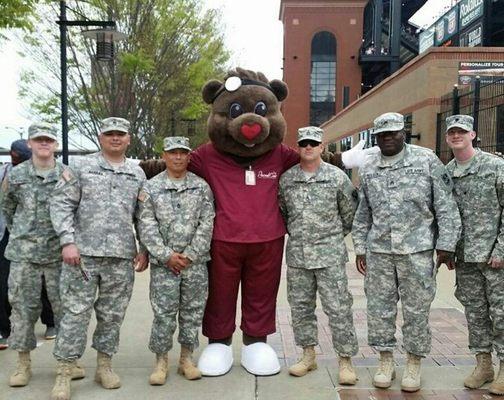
470 11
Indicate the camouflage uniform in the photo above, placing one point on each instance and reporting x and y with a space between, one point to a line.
94 207
479 192
405 211
33 249
319 211
176 218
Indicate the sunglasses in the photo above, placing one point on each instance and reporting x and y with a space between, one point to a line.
312 143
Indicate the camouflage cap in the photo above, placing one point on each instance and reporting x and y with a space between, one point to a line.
176 142
460 121
387 122
114 124
42 129
310 133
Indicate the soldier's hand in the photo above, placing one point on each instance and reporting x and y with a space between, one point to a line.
445 257
141 262
177 262
496 263
360 261
70 254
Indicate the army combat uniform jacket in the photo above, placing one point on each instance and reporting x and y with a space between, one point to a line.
94 207
479 192
25 205
319 212
176 217
406 207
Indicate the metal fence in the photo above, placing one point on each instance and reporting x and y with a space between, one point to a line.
486 104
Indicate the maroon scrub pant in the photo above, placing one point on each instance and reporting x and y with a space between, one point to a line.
257 266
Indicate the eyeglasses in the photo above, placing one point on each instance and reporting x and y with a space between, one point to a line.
312 143
456 132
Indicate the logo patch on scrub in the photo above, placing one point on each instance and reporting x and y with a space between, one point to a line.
267 175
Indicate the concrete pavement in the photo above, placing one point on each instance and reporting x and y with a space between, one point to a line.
443 371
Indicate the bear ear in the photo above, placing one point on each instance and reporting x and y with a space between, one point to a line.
280 89
210 90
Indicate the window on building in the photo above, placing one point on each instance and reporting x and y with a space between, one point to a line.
346 143
322 78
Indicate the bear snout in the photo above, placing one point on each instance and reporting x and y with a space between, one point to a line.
250 131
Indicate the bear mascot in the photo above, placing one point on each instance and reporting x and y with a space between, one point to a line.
243 163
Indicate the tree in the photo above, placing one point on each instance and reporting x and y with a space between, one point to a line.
173 47
16 14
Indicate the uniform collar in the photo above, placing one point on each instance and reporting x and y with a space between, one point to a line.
403 162
321 175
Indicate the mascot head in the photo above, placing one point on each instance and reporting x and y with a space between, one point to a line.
245 118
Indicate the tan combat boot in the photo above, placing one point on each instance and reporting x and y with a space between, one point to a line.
61 389
497 387
305 364
78 372
22 375
386 371
104 373
483 372
186 365
346 373
158 376
411 378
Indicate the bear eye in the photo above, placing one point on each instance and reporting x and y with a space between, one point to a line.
261 109
235 110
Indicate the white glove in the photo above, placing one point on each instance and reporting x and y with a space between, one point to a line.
354 158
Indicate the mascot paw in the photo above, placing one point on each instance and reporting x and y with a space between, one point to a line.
216 359
260 359
355 157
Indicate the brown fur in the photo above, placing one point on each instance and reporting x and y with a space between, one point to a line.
224 131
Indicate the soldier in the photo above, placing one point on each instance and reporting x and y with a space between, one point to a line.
175 223
318 203
478 180
406 210
92 211
33 246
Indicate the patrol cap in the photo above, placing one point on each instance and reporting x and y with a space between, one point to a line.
387 122
114 124
460 121
42 129
310 133
176 142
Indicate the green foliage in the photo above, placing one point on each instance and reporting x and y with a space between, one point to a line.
173 48
16 14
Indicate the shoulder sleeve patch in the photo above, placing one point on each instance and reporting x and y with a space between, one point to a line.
5 185
143 196
67 175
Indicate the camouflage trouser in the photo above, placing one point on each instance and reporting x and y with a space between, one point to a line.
113 278
412 279
332 285
25 288
480 289
186 295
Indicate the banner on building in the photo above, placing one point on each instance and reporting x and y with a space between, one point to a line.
447 26
487 71
473 36
470 11
426 39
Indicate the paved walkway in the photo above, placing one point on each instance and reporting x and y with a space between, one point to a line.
443 371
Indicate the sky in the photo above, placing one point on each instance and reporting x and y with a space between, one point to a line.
253 33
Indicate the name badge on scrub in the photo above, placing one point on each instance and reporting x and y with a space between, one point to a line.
250 178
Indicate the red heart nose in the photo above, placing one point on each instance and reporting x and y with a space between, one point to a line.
250 131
